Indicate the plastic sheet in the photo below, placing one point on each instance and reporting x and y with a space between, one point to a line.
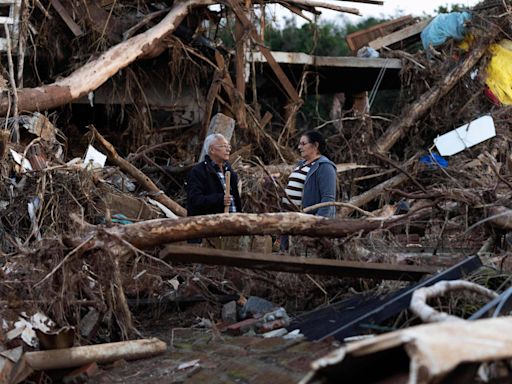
499 72
443 27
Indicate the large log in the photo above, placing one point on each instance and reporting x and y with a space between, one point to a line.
99 353
427 100
147 234
96 72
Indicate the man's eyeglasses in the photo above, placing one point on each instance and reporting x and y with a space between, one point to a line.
223 146
301 144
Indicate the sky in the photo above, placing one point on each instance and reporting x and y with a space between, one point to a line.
389 9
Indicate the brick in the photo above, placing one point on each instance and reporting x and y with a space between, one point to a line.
242 327
81 375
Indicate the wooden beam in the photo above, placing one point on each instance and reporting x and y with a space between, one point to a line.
66 17
292 264
240 45
375 2
400 35
290 89
210 100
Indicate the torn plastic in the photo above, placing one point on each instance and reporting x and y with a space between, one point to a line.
499 72
443 27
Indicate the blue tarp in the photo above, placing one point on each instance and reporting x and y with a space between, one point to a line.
443 27
434 160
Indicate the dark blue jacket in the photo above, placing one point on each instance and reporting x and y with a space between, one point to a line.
205 194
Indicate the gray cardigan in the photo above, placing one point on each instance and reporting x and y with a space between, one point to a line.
320 186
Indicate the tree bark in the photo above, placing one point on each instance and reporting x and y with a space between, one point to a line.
93 74
366 197
152 233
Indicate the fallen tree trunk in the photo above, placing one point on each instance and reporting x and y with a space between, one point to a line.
138 175
99 353
96 72
427 100
151 233
364 198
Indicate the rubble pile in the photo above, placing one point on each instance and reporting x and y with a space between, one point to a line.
93 233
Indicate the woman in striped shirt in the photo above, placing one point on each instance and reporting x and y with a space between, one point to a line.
313 181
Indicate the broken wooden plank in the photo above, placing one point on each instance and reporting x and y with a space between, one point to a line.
326 5
240 60
301 58
290 89
66 17
361 38
395 37
292 264
210 100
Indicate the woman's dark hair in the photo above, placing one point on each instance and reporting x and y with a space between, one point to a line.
316 137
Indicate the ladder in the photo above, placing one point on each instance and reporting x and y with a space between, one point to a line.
10 16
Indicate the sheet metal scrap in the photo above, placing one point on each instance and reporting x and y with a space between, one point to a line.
348 318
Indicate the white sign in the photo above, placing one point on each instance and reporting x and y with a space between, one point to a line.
466 136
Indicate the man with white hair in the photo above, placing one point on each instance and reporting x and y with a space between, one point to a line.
206 191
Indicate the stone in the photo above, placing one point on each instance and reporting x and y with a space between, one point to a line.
229 312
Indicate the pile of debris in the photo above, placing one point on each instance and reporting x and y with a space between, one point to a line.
92 220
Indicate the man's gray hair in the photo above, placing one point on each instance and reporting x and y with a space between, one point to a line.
208 143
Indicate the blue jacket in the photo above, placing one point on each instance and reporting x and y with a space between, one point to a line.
320 186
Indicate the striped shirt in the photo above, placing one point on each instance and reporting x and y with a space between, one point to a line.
295 187
222 178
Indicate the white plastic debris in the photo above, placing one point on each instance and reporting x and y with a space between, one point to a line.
275 333
167 212
188 364
94 158
25 164
466 136
295 334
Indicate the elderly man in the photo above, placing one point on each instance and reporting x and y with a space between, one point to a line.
206 192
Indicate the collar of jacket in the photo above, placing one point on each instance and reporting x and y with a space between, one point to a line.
209 162
322 159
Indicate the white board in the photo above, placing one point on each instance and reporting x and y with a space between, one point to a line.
466 136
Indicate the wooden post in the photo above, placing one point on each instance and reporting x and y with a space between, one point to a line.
228 189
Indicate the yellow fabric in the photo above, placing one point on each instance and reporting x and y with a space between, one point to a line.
468 41
499 71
